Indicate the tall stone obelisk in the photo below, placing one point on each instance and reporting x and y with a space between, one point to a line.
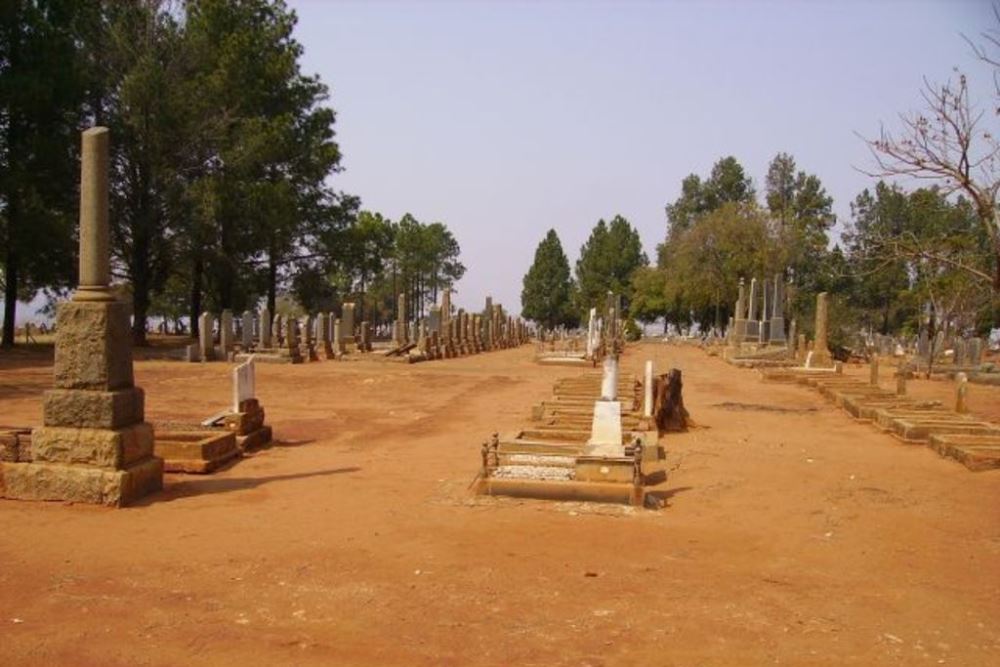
95 446
821 352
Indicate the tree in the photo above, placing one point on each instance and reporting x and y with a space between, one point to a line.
40 93
727 183
881 293
950 143
649 300
140 89
802 214
607 260
704 265
546 297
261 196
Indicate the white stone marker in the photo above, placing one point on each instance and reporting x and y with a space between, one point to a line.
244 383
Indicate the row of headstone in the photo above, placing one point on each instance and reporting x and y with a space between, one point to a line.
444 335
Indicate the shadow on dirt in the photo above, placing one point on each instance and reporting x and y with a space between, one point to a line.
185 488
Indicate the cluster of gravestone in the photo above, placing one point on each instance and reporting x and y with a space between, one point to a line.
444 334
756 336
950 431
561 346
759 321
95 445
591 440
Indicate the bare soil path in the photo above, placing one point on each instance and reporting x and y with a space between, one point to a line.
791 536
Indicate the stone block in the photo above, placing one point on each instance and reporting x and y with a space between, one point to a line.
254 439
53 481
93 346
242 423
195 451
100 448
93 409
9 446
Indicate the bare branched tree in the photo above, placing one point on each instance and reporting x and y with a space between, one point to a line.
951 144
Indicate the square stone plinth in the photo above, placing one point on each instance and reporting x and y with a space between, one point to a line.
82 484
93 346
79 408
99 448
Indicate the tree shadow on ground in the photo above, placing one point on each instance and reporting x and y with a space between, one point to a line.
186 488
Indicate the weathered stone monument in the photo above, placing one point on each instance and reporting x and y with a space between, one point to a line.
821 352
347 327
246 330
776 330
94 446
226 334
265 328
206 346
740 321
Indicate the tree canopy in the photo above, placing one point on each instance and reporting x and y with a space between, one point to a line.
547 295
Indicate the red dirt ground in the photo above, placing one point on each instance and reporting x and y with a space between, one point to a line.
794 537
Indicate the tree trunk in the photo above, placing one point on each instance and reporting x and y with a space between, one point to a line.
140 272
196 278
10 287
272 280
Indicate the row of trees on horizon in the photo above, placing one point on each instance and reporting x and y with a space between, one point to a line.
222 156
921 250
720 229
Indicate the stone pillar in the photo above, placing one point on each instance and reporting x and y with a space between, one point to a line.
740 321
94 445
347 324
95 249
338 339
265 328
324 334
246 330
821 351
961 393
446 313
226 335
901 374
776 332
206 345
873 371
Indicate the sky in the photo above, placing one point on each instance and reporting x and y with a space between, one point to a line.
505 119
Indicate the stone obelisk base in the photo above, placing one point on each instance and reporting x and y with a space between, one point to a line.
95 446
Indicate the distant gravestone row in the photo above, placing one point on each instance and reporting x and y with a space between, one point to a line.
281 338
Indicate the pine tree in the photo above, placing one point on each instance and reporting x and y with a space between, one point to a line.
548 289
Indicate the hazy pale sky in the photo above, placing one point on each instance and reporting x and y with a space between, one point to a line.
503 119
